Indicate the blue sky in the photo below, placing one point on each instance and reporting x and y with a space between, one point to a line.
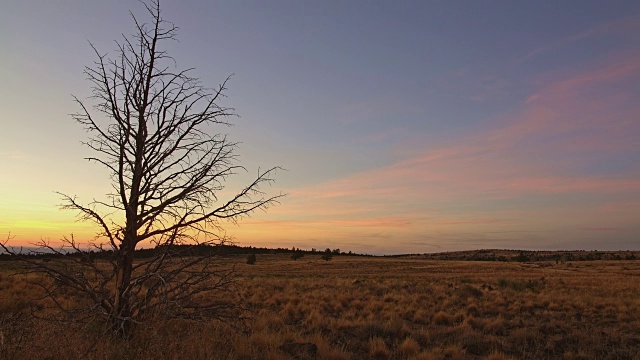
403 126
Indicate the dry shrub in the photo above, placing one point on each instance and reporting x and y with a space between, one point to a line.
443 318
553 306
378 348
422 336
427 355
389 298
474 323
357 325
395 329
454 352
472 309
496 355
474 343
336 354
266 340
524 338
267 321
421 317
519 285
469 291
409 347
314 319
459 317
292 314
496 326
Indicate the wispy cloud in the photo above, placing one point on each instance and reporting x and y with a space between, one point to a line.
624 27
484 188
12 155
602 229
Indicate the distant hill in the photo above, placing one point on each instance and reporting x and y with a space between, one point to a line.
530 256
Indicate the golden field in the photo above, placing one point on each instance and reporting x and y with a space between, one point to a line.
372 308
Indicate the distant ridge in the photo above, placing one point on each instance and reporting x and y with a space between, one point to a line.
504 255
533 255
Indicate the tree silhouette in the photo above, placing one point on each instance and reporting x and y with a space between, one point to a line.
153 127
327 255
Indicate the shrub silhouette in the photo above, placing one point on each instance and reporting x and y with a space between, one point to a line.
327 255
251 259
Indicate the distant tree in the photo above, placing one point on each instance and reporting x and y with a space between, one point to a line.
297 255
522 257
153 128
328 255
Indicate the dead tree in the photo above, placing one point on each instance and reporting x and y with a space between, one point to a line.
155 129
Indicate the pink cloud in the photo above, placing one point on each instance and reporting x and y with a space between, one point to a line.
514 158
589 111
559 185
444 190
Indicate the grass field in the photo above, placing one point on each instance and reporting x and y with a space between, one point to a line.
374 308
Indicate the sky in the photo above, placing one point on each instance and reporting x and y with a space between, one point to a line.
403 126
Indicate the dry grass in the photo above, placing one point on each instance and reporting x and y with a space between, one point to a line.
361 308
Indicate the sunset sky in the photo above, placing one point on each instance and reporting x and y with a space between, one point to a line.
404 126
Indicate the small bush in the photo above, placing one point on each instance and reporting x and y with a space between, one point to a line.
327 255
251 259
468 291
518 285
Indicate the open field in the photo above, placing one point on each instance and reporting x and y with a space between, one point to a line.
382 308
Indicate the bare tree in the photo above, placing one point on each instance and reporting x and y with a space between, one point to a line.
153 128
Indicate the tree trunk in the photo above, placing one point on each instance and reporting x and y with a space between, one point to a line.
121 318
